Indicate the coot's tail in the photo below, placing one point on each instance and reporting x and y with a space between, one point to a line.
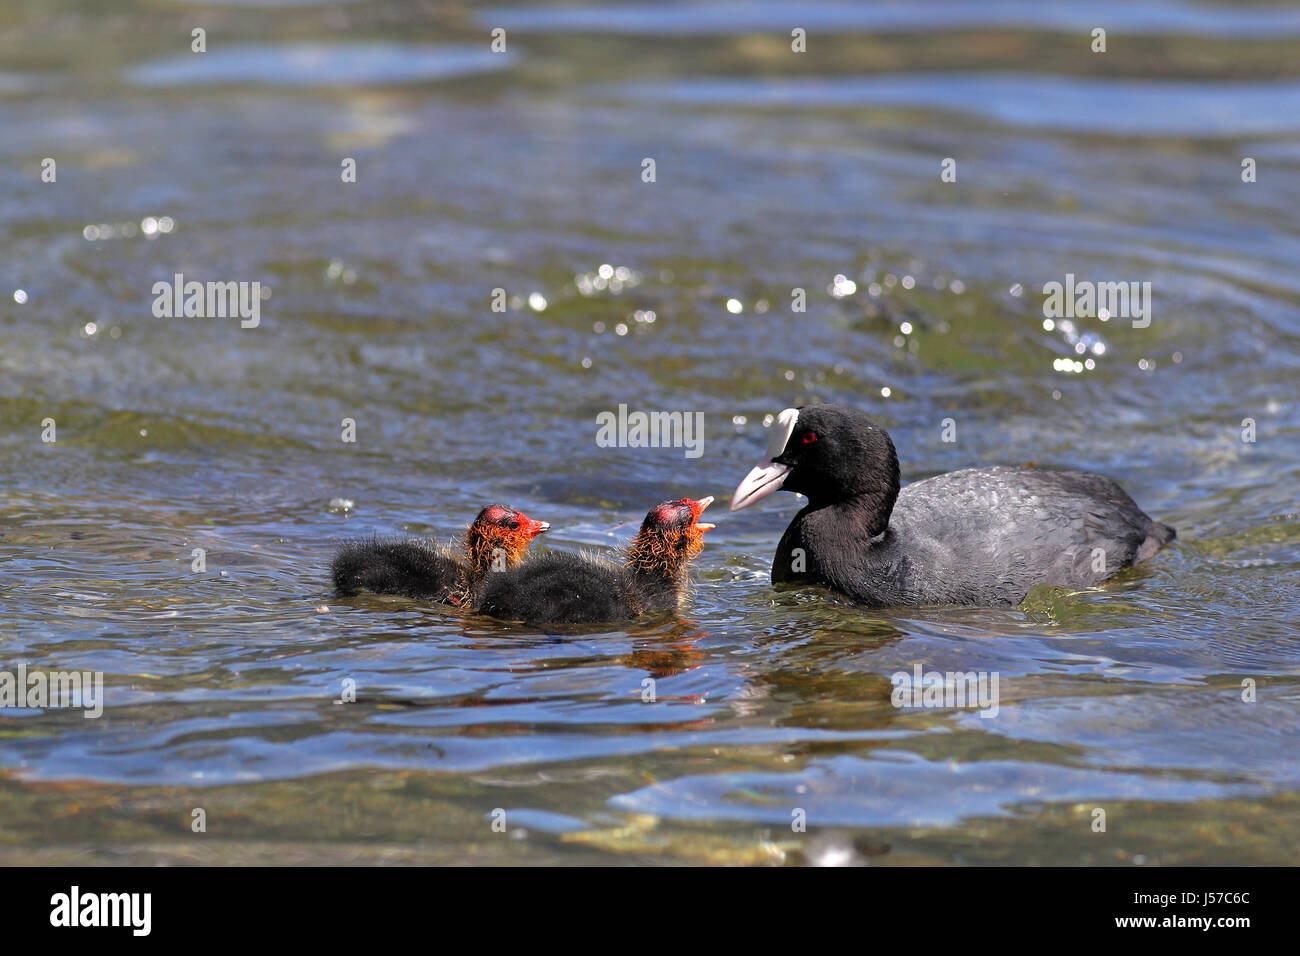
1158 535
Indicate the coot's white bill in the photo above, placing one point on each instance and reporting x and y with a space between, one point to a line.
767 476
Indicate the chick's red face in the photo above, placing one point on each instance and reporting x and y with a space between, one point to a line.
501 531
507 523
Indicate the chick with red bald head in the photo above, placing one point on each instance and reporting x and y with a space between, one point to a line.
496 540
580 589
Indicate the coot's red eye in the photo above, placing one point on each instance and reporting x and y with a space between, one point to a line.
809 437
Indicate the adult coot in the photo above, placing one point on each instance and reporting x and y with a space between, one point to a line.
559 588
979 536
495 541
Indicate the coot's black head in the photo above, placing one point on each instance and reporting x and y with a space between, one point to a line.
830 454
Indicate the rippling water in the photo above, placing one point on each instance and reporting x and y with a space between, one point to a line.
522 171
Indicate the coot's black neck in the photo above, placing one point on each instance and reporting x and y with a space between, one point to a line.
864 515
843 529
833 544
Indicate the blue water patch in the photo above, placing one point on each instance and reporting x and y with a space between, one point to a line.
729 18
901 790
320 64
543 820
17 83
1074 104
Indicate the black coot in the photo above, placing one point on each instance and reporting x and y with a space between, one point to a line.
559 588
495 541
980 536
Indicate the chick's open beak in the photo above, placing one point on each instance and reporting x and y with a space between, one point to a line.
697 509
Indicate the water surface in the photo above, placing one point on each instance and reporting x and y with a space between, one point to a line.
522 171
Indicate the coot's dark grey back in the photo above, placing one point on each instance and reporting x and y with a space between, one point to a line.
987 535
1006 529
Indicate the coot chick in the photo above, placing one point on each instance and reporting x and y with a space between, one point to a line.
979 536
495 541
560 588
